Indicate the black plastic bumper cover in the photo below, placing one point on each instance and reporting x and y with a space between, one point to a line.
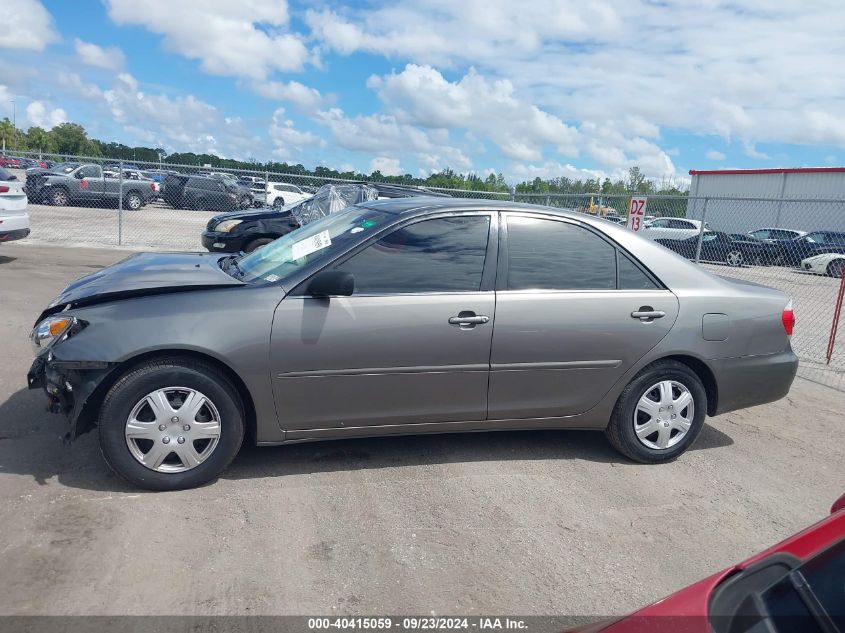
68 386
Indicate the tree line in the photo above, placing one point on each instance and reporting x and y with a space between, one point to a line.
72 139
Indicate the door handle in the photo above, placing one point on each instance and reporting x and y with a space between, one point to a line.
468 320
647 314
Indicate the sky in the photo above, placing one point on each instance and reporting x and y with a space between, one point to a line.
530 88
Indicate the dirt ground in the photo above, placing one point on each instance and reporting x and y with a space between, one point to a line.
523 523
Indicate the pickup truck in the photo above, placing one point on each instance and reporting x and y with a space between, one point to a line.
81 183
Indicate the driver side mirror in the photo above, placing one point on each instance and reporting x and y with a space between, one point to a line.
80 174
329 283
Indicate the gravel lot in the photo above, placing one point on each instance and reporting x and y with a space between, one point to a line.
524 523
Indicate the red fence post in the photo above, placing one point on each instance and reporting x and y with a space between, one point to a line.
831 341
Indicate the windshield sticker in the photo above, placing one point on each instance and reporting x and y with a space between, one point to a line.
272 278
368 224
311 245
357 229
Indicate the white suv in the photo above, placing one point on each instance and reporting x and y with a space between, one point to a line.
672 228
280 194
14 220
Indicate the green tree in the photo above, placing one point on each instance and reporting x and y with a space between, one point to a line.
40 140
71 138
9 136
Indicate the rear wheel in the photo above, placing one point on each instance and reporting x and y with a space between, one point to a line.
257 243
245 202
659 414
278 203
132 201
836 268
734 258
171 424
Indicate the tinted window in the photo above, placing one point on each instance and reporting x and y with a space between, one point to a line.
630 276
90 172
546 254
762 234
5 175
442 255
680 224
660 224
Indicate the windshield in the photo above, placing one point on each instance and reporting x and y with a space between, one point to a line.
317 240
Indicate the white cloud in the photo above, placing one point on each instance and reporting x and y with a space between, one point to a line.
110 57
714 154
286 137
638 64
752 152
26 24
298 94
245 38
421 95
39 114
380 133
387 166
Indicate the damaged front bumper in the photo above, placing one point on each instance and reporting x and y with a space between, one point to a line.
69 386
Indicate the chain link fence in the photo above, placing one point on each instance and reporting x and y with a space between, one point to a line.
797 246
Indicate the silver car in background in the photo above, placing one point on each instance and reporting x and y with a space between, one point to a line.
413 315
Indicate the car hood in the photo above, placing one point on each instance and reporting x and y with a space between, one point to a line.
144 274
261 214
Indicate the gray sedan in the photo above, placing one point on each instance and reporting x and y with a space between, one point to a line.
415 315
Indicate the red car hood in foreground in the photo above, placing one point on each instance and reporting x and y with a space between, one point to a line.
687 610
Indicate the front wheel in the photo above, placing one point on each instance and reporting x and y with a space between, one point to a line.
659 414
59 198
278 203
171 424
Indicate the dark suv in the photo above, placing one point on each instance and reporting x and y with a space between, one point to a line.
200 192
814 243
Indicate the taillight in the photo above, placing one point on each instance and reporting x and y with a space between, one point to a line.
4 189
152 186
788 319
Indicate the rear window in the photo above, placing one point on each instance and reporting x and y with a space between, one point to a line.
5 175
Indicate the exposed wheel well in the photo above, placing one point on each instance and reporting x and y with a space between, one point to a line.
90 411
707 379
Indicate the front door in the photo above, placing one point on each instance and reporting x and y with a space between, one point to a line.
573 313
410 346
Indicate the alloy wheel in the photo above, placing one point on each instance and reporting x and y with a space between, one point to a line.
664 415
173 429
734 258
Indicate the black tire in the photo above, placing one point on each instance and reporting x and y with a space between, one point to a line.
59 197
132 201
836 268
257 243
278 203
245 202
131 388
620 430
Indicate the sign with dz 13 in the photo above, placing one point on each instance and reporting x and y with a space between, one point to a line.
636 214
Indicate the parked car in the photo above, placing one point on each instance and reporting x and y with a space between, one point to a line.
81 183
411 315
795 585
258 189
14 219
183 191
280 194
10 161
831 264
671 228
245 196
811 244
734 250
247 230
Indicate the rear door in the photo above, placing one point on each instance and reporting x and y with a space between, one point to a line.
573 313
410 346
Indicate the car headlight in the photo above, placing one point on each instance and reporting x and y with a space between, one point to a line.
227 225
50 330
